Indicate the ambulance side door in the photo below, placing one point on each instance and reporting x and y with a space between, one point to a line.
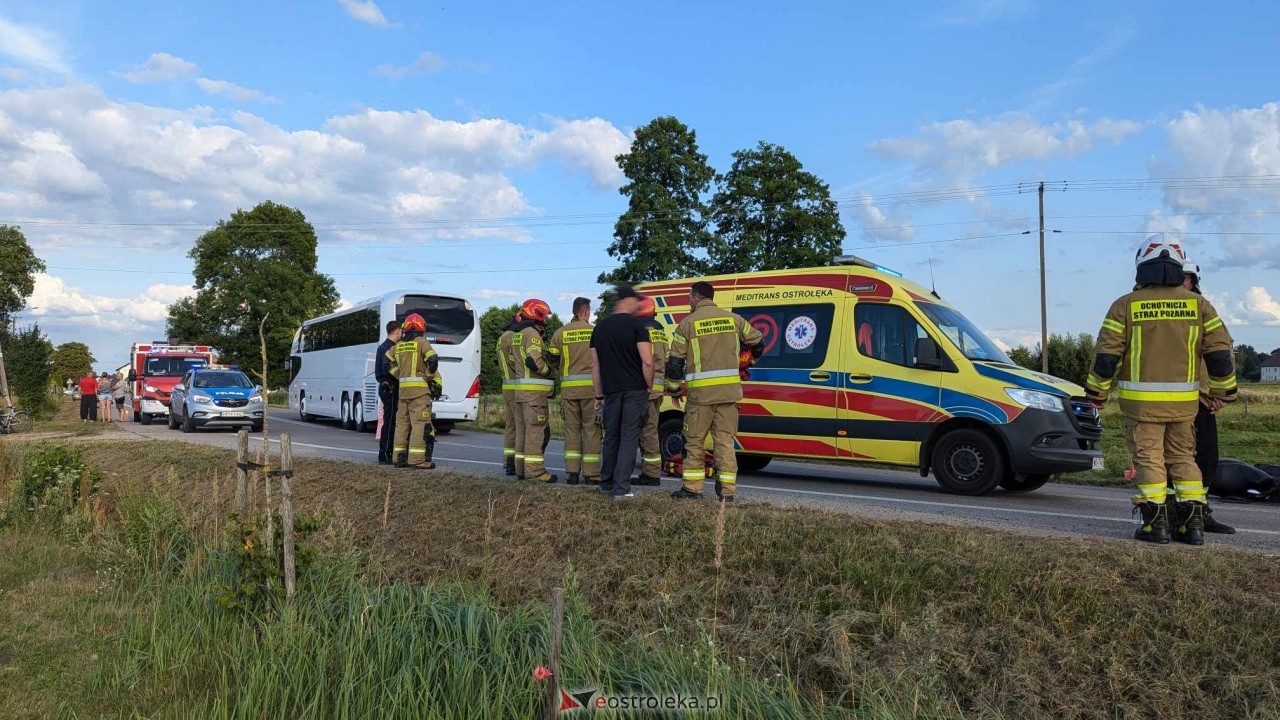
888 405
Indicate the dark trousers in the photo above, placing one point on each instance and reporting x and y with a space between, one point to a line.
1206 444
88 407
390 402
624 417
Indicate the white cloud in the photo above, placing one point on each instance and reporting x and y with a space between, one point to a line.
71 154
964 148
488 294
32 47
366 11
971 13
231 90
1258 307
1006 340
12 74
879 225
428 63
56 304
160 67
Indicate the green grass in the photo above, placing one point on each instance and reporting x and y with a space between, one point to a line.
871 618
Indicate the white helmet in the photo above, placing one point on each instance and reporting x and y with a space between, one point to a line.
1190 266
1156 247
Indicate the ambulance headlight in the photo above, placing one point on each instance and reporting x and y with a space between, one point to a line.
1035 399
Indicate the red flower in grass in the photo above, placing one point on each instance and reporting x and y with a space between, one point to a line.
541 673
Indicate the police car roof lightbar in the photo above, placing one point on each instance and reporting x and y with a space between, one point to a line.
855 260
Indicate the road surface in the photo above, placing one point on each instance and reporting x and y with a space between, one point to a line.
1057 509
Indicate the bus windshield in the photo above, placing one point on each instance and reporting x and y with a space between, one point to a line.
967 338
171 366
449 320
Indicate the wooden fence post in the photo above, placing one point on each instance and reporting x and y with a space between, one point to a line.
242 475
286 511
551 706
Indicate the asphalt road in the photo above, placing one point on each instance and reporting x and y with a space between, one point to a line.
1057 509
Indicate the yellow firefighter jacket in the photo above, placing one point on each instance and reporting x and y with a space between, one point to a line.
410 360
503 348
707 343
659 345
570 347
530 383
1150 348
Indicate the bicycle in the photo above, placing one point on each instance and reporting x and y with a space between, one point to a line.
14 421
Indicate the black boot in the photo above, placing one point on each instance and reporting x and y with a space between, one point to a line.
646 480
573 479
431 452
1189 526
509 466
1155 523
1211 524
683 494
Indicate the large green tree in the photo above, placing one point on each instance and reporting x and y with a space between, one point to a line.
72 360
1070 356
1248 363
660 235
28 356
18 268
492 323
771 214
259 262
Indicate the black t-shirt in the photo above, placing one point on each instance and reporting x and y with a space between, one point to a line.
614 341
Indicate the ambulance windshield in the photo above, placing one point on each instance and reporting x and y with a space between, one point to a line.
967 338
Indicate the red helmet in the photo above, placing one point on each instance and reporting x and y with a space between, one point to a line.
648 308
414 323
536 310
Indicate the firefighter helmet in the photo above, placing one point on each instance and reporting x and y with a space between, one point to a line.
648 308
1242 481
1190 267
414 323
536 310
1157 248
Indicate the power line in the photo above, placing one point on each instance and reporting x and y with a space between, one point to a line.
359 274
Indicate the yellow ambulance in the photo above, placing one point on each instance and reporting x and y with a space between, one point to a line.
861 365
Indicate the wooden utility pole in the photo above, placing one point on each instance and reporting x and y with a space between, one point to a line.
4 382
286 512
1044 312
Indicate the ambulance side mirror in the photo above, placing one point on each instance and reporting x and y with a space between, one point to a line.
928 357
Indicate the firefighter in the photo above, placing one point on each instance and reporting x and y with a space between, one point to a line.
1206 422
709 339
570 349
416 366
1150 348
533 387
650 450
508 395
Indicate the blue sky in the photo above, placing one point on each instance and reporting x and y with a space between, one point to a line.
469 148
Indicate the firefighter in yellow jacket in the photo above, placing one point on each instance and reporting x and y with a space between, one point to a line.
704 364
650 450
533 387
570 349
416 365
509 406
1149 349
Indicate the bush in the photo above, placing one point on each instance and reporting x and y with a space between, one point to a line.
29 358
54 480
256 573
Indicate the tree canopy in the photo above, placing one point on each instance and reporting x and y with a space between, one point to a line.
18 268
28 356
492 323
1070 356
257 262
72 360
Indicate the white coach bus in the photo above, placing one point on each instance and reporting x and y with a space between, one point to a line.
331 360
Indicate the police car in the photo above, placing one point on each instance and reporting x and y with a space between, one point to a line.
216 396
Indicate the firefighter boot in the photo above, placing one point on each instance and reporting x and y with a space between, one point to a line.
509 467
431 451
1188 527
1155 523
1211 524
572 479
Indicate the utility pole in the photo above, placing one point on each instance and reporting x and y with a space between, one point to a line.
1044 312
4 383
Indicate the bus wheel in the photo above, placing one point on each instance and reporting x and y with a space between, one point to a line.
348 422
967 462
1020 482
752 463
302 409
357 415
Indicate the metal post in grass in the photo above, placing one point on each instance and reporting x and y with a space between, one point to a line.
286 512
551 704
242 472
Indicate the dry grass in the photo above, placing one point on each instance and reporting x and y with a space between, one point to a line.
994 623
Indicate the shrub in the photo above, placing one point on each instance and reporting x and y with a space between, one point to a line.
54 480
255 573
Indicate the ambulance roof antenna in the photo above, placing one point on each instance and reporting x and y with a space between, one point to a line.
933 284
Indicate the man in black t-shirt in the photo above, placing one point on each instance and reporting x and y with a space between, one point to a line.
622 373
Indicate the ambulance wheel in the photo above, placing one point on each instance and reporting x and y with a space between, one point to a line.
752 463
1019 482
967 462
671 438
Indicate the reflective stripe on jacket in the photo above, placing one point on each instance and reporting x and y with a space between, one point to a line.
526 344
571 347
409 361
1150 350
504 359
709 340
661 348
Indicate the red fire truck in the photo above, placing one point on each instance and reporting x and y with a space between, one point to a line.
156 368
